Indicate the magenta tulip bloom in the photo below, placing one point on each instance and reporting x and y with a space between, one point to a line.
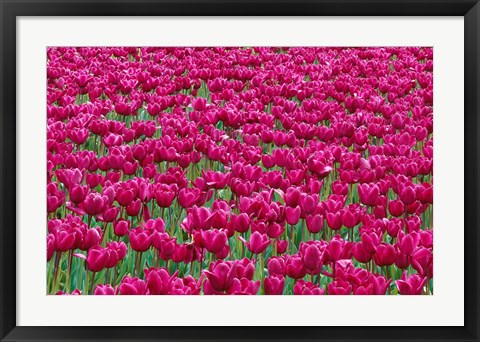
122 227
140 239
50 246
220 276
384 255
257 243
94 204
303 287
274 285
314 223
78 193
312 257
214 240
276 266
97 259
292 215
396 208
104 290
410 285
132 286
159 281
339 287
164 196
188 197
295 267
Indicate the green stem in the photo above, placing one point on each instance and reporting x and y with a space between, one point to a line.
292 227
262 271
58 256
93 282
69 272
49 271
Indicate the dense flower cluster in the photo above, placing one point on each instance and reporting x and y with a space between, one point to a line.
186 171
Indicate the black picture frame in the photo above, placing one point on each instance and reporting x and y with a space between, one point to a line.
10 10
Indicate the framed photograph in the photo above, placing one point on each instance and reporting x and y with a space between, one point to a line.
180 170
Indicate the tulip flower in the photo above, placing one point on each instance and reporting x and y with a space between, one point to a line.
164 196
214 240
307 288
78 193
396 208
292 215
274 285
94 204
257 243
245 268
220 276
50 246
314 223
312 257
244 287
295 268
104 290
122 227
159 281
339 287
281 246
140 239
188 197
132 286
97 259
276 265
410 285
384 255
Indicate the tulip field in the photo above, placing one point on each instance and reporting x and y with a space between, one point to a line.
239 171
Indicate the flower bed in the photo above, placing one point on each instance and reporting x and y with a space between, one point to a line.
304 171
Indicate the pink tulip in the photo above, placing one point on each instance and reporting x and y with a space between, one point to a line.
78 193
339 287
257 243
220 276
396 208
384 255
159 281
188 197
274 285
295 268
94 204
312 256
102 290
410 285
140 239
214 240
276 266
122 227
314 223
164 196
306 288
132 286
97 259
292 215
